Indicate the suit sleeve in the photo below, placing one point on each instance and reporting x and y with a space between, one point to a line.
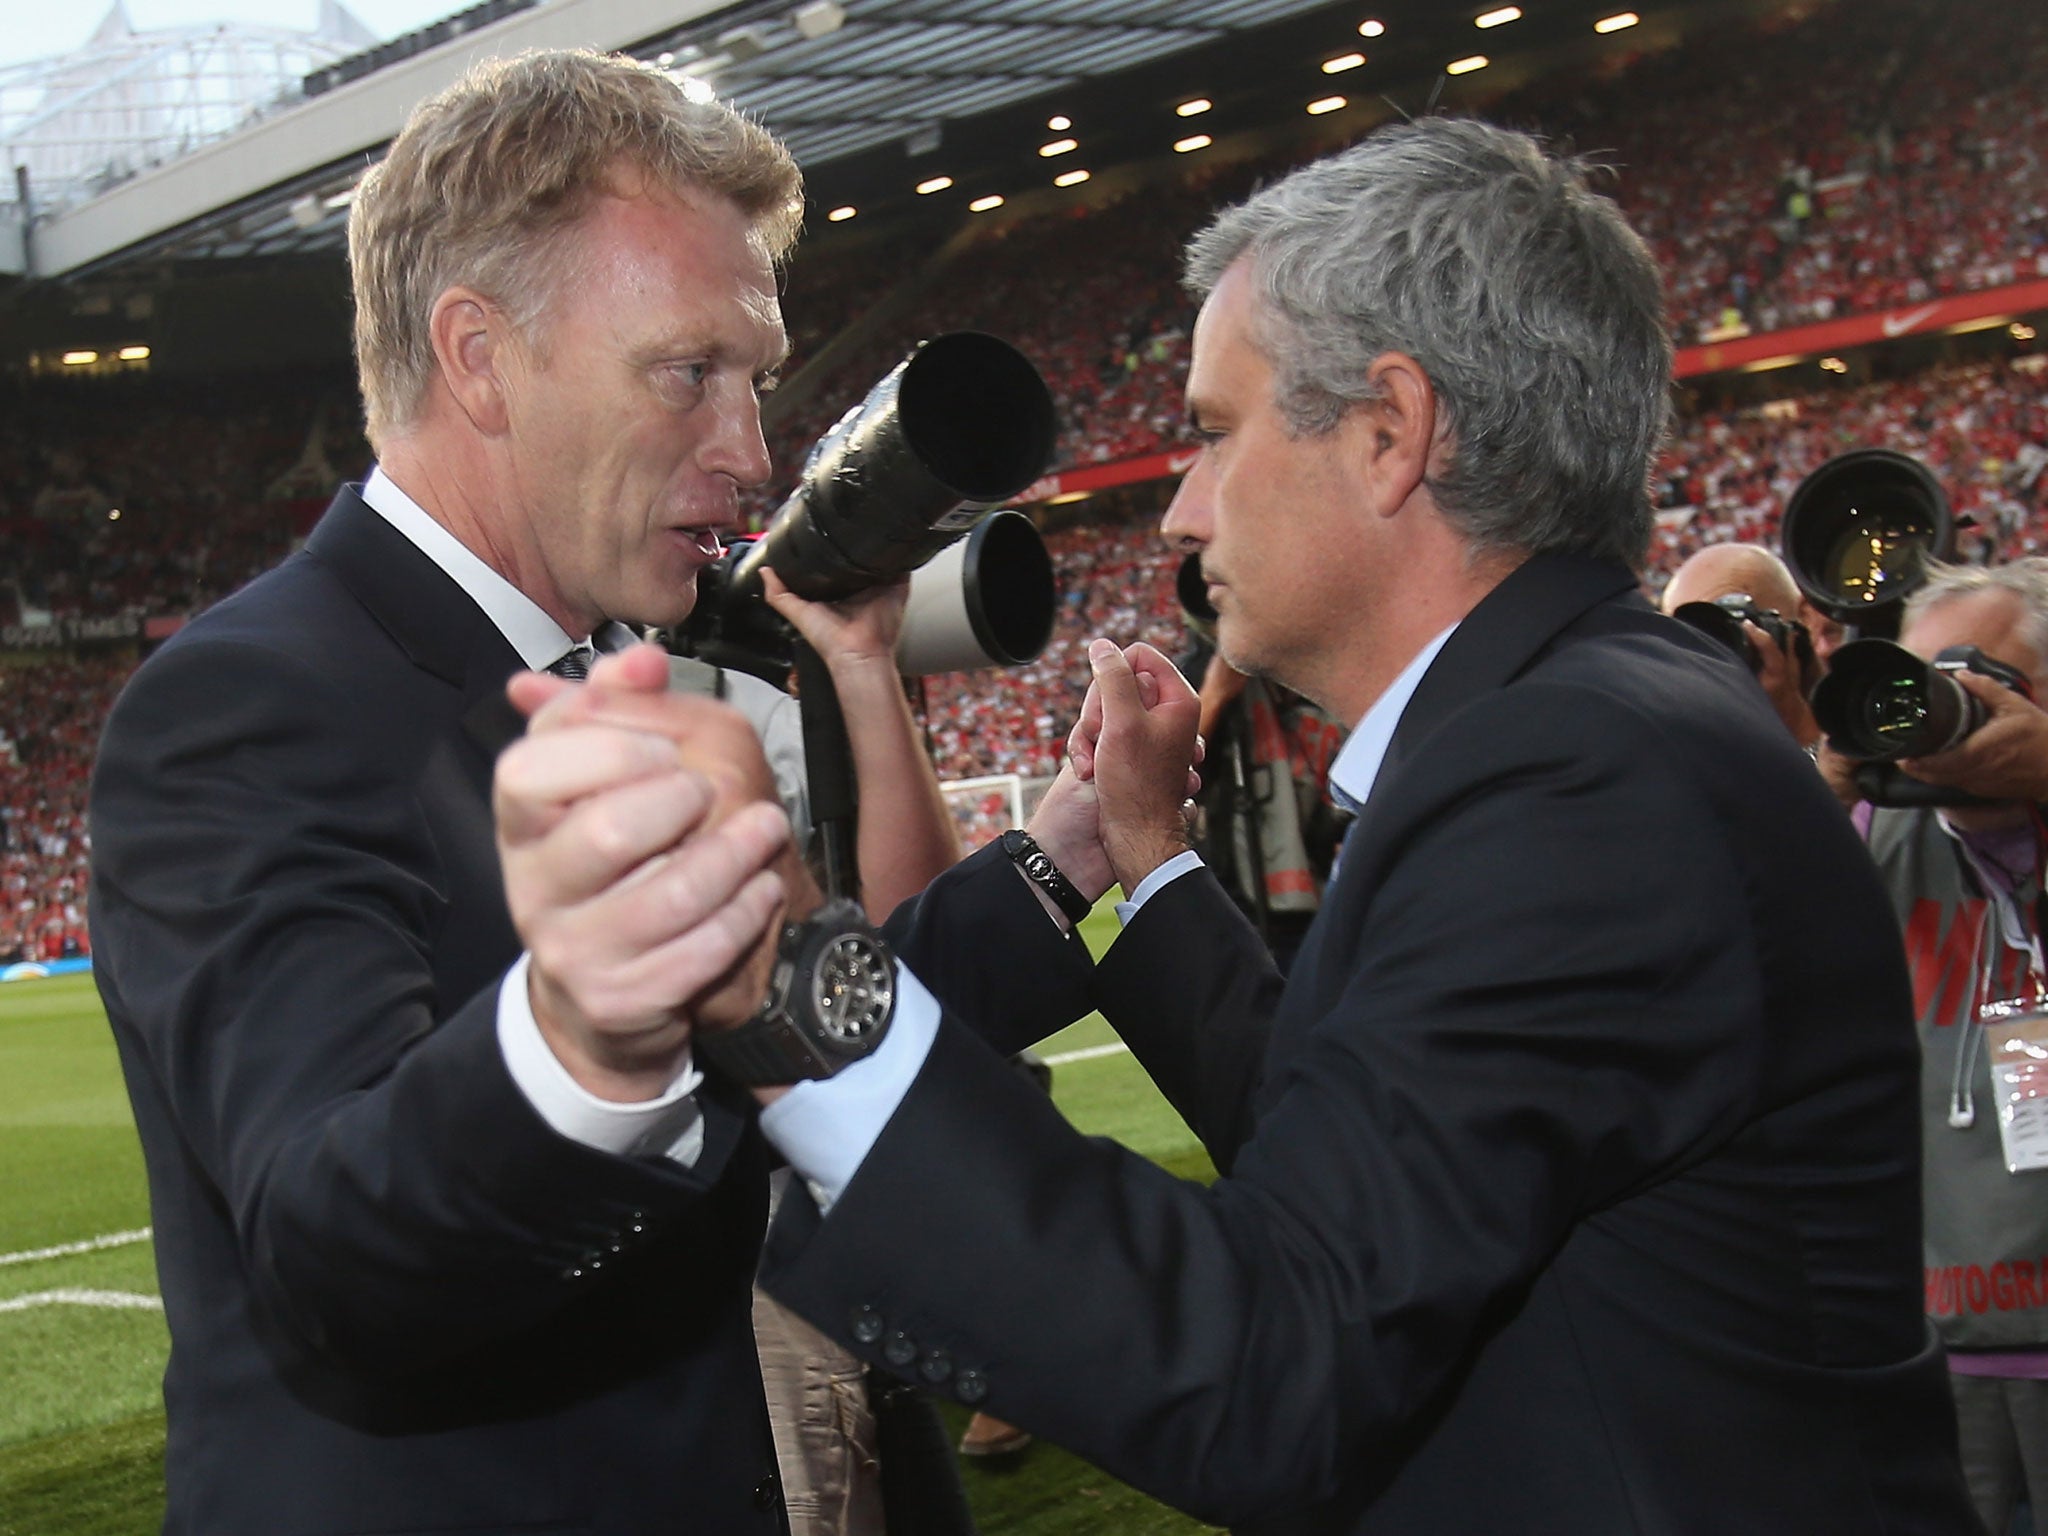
978 938
1191 988
268 898
1516 1037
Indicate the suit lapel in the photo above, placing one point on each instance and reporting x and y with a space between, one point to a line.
1509 628
427 614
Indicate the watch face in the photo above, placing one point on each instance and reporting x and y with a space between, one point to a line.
853 986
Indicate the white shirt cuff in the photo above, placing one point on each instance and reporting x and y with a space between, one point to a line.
826 1126
670 1126
1157 881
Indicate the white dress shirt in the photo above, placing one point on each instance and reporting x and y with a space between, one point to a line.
825 1128
671 1124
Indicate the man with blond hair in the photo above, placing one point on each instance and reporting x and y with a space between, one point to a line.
435 1253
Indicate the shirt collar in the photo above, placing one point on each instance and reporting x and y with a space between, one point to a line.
538 639
1357 766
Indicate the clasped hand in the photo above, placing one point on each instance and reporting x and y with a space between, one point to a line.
647 868
1119 807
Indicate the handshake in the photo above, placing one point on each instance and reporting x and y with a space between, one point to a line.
649 866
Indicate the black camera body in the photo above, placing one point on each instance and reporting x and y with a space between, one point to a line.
1722 619
903 485
1880 703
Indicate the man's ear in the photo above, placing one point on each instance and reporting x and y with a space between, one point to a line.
474 345
1398 430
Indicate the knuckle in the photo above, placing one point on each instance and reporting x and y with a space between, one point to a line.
606 835
550 953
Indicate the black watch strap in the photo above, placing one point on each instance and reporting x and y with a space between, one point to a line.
1039 869
761 1052
830 998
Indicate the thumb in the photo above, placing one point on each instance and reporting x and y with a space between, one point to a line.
1114 677
528 691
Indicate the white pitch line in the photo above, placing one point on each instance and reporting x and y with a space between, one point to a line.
77 1296
89 1245
1089 1053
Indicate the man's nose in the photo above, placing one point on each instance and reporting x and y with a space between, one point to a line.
738 448
1188 523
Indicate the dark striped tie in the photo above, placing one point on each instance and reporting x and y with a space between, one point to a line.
574 664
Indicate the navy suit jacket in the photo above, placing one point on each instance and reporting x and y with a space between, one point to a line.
1570 1184
398 1300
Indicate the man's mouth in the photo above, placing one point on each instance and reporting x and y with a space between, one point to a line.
705 540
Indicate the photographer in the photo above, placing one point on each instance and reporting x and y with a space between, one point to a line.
1966 882
1743 579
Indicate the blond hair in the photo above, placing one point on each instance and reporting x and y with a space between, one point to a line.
491 177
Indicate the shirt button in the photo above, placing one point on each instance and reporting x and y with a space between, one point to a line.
936 1366
766 1494
899 1348
867 1324
970 1386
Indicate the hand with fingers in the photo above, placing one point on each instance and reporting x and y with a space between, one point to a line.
857 632
647 868
1781 676
2005 758
1136 744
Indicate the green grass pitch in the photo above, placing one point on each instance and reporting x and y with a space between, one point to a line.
81 1420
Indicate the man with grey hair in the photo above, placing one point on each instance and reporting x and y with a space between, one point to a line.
1568 1183
1966 883
440 1248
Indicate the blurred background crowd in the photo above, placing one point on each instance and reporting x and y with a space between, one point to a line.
1776 194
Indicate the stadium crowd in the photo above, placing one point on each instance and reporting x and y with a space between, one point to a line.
1773 191
50 717
1982 428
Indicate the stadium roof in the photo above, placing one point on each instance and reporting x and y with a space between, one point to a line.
873 96
128 98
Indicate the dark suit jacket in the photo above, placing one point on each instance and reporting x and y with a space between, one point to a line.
1570 1185
398 1301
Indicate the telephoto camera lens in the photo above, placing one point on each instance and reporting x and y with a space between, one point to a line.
1880 702
1858 533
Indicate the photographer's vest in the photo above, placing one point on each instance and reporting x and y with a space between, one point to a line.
1285 802
1986 1229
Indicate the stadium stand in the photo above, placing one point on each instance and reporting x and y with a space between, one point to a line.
50 717
1856 158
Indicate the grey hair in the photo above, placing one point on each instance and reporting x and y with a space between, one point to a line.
2025 579
1533 308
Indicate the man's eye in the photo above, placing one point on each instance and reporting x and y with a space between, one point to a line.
692 374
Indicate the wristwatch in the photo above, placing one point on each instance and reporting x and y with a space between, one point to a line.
830 999
1039 869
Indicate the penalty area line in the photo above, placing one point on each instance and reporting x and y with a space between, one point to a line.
78 1296
88 1245
1088 1053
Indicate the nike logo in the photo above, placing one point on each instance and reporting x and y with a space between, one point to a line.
1180 463
1898 325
